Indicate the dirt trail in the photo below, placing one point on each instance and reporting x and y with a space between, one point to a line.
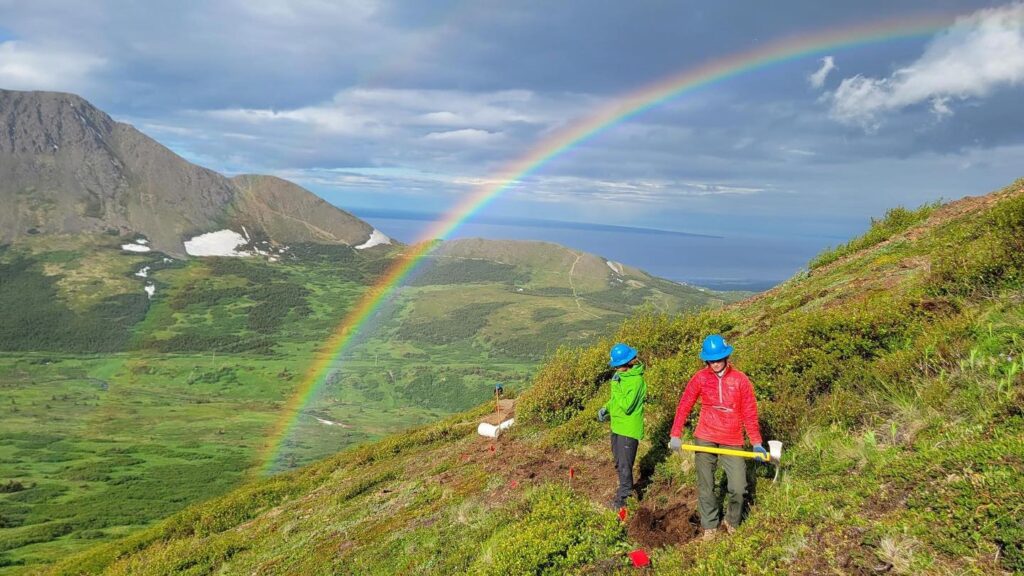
666 516
572 286
528 465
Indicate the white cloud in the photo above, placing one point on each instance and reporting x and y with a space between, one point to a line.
979 53
27 67
395 181
645 191
797 151
359 111
464 136
443 118
332 119
940 107
817 80
306 10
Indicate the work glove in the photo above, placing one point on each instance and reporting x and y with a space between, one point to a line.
675 444
762 454
602 414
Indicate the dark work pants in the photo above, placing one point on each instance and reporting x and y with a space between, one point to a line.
736 480
624 450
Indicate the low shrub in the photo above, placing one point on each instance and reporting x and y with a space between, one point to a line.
11 486
560 532
984 255
564 384
18 537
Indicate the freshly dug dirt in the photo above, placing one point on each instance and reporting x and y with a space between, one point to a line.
667 515
671 524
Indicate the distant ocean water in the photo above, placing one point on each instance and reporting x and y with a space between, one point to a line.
720 263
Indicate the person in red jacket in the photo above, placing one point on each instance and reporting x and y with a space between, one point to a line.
728 407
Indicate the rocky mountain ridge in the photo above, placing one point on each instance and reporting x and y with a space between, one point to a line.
66 167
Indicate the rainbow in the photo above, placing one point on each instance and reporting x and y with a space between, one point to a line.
612 114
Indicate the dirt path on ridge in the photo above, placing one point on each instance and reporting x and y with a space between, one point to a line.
572 286
667 515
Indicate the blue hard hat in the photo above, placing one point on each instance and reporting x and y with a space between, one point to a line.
621 354
715 348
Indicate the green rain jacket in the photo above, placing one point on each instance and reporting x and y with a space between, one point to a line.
626 406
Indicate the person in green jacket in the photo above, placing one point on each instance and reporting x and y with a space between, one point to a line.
625 409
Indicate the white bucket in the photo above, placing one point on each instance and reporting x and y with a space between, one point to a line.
775 449
492 431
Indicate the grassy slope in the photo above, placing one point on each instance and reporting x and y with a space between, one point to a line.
521 300
177 408
893 374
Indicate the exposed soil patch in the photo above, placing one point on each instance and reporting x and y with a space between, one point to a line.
669 525
667 516
522 464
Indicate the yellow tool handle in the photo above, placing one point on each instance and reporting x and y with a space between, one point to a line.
725 452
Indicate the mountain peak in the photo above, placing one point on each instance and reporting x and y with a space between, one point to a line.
66 167
39 122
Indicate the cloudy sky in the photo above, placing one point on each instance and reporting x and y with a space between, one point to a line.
413 104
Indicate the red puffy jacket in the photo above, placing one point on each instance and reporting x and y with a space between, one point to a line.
727 406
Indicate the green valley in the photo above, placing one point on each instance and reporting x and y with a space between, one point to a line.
121 409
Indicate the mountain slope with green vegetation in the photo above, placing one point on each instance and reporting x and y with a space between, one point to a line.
893 374
120 405
523 299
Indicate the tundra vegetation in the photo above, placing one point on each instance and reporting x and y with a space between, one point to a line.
893 374
119 409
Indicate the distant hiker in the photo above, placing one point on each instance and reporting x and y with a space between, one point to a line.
727 407
626 411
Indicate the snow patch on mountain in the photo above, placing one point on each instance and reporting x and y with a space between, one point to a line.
219 243
376 238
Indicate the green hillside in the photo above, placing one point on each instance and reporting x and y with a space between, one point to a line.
893 374
120 409
522 300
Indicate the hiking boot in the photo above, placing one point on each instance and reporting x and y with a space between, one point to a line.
709 534
726 527
615 505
